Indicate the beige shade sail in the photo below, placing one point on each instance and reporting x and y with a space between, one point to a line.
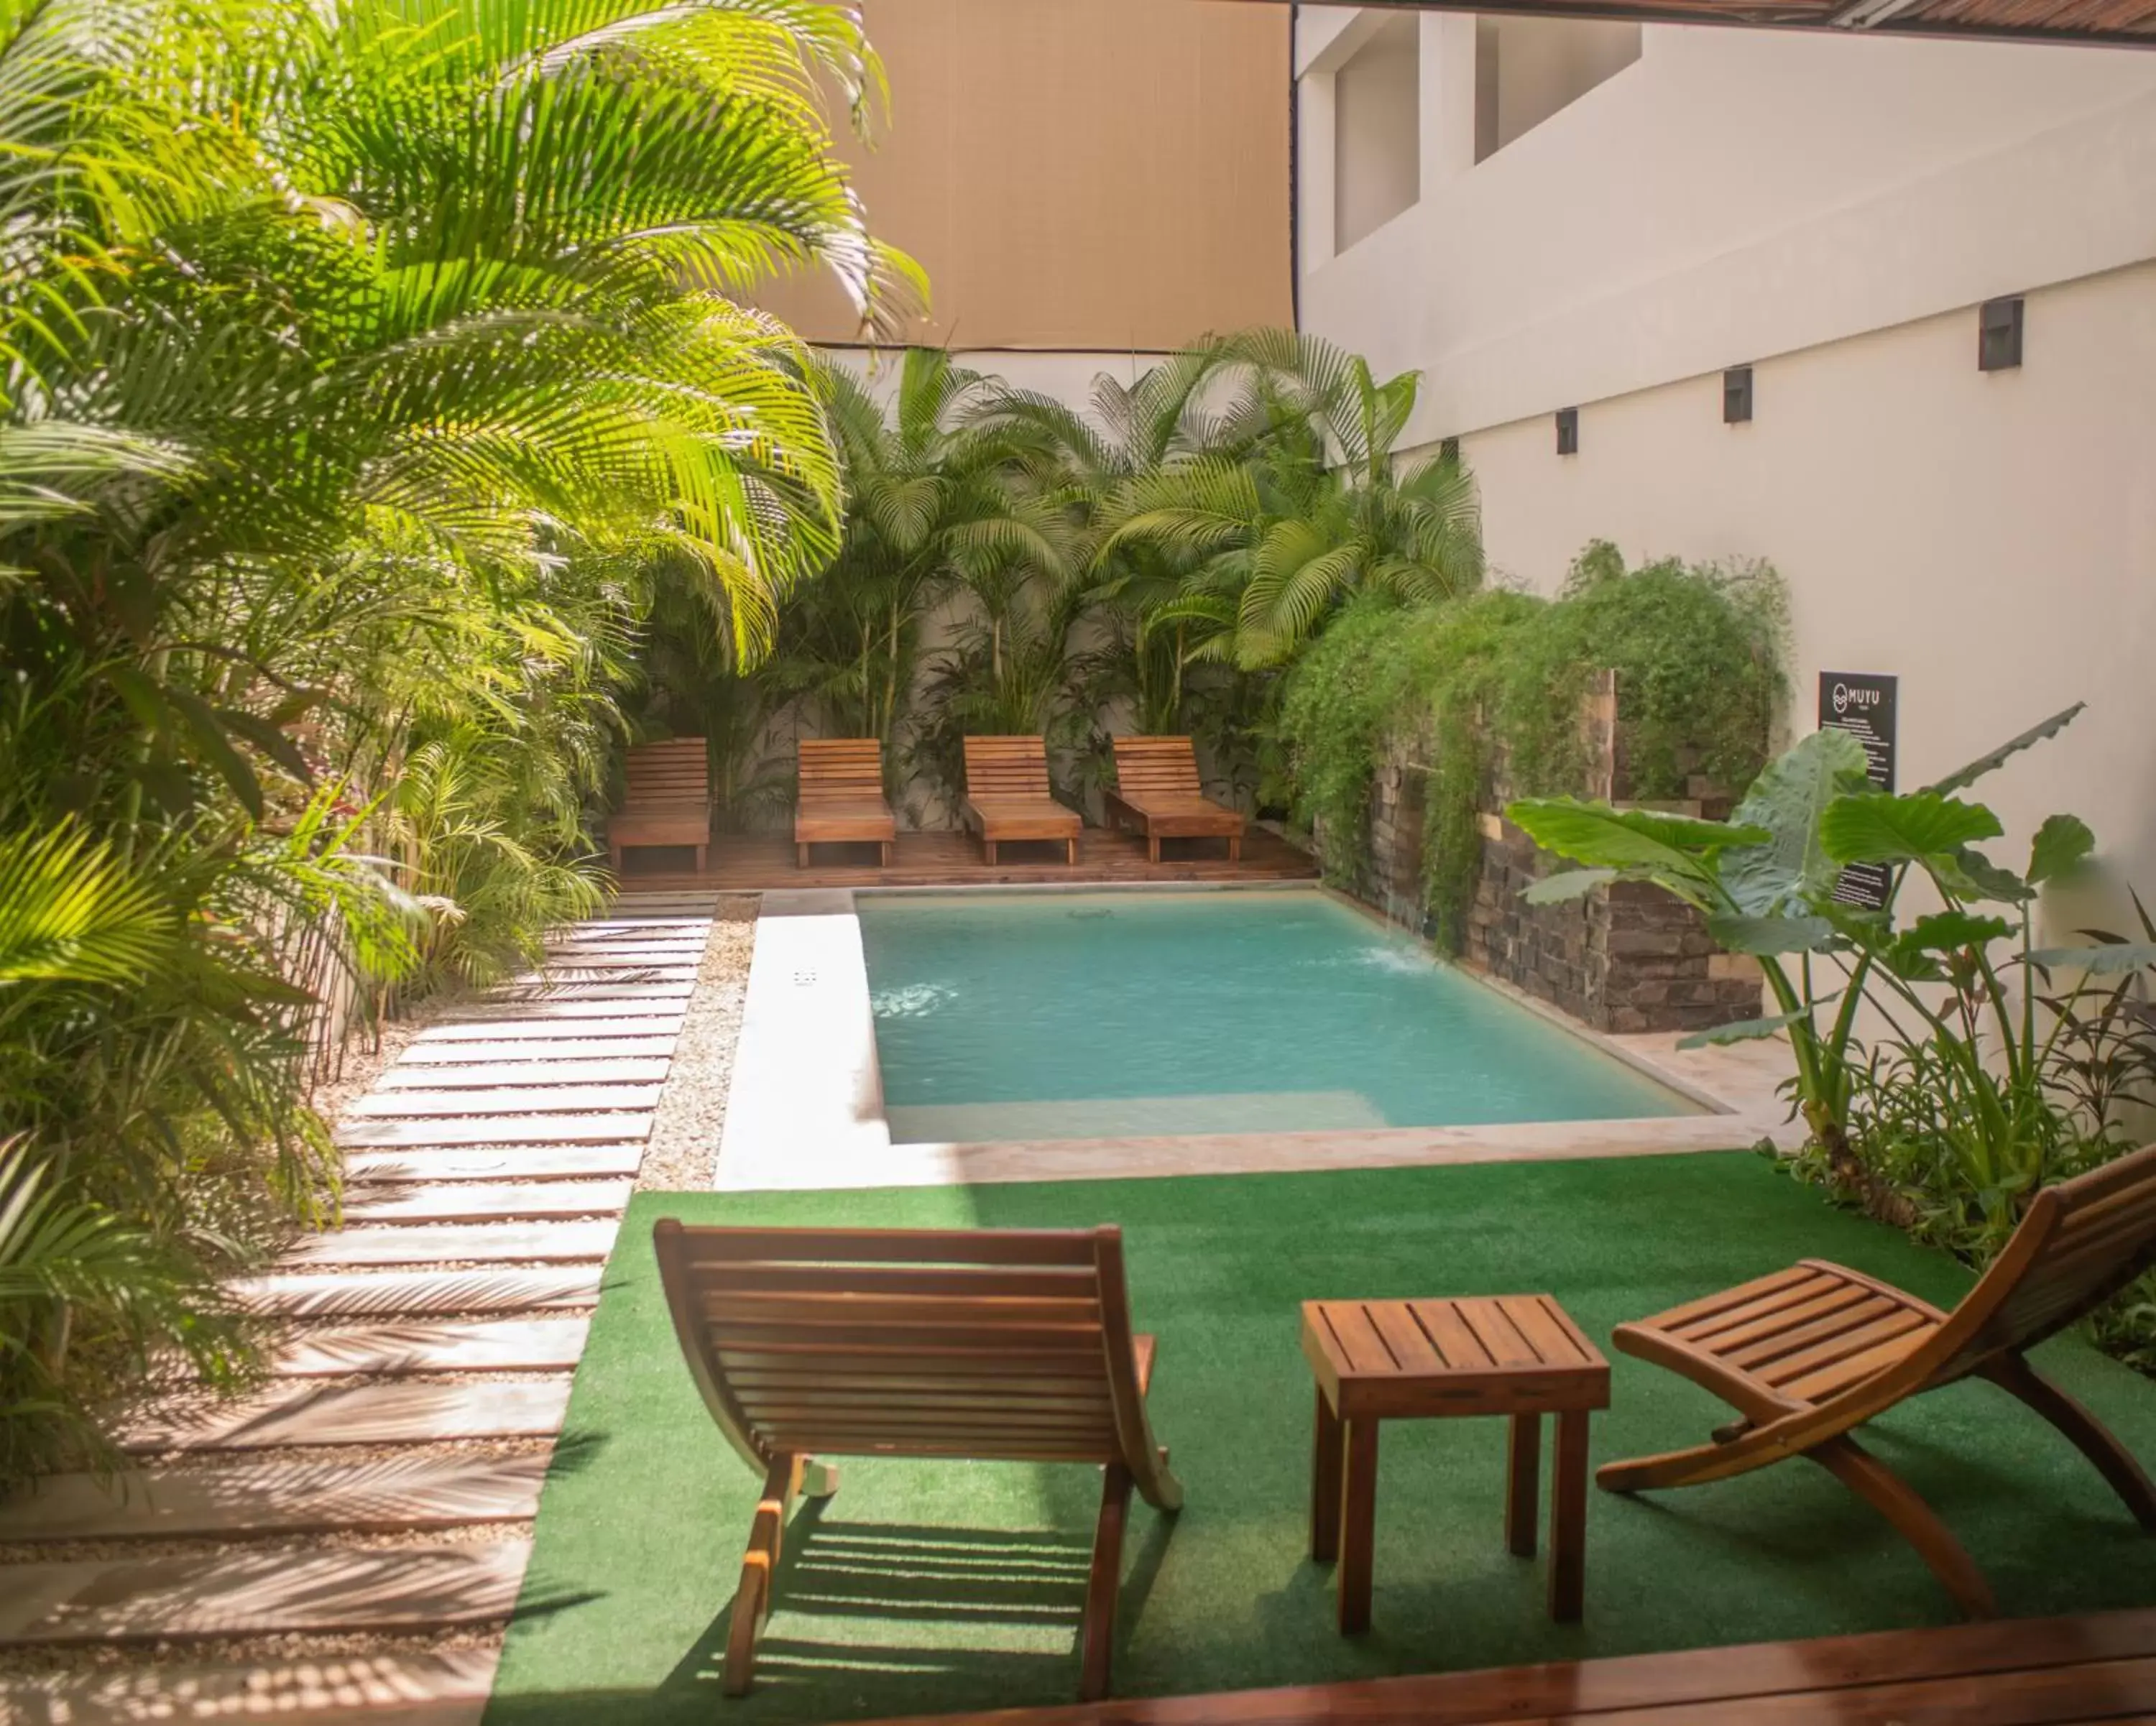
1105 175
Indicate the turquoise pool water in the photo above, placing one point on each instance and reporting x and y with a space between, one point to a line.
1075 1015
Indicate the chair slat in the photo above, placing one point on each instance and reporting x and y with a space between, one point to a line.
1840 1322
842 1246
1790 1368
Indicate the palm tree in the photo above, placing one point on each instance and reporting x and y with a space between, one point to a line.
1306 507
937 514
358 365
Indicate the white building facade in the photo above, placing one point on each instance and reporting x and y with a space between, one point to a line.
1542 215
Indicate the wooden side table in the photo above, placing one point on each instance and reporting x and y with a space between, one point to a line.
1515 1354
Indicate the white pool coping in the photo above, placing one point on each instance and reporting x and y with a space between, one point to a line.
805 1108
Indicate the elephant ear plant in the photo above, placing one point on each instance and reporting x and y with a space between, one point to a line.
1968 1071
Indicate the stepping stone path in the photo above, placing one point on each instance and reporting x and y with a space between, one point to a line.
503 1142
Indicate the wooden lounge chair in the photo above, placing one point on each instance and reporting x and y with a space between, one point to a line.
986 1345
1808 1354
668 799
842 797
1006 796
1157 794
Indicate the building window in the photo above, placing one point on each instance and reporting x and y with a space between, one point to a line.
1377 141
1526 68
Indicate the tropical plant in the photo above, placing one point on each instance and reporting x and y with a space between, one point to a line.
1766 882
1490 686
1316 507
362 369
935 517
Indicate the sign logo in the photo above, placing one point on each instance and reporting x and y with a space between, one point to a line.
1844 698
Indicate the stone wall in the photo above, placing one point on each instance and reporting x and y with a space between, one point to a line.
1627 957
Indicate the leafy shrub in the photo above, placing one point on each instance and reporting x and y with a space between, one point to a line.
1698 656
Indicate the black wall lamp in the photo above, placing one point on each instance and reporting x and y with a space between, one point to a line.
1998 334
1567 431
1736 395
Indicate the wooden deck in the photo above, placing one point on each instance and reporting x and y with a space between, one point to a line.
751 863
2034 1671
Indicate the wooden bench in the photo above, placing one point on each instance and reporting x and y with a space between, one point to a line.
1519 1356
841 799
1006 796
1157 795
668 802
973 1344
1810 1354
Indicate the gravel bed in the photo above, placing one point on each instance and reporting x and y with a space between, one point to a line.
683 1152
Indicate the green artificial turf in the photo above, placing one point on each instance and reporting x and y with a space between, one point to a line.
923 1587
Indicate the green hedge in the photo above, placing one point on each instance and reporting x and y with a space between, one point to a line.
1697 651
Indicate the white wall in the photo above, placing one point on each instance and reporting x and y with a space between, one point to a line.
1991 538
1528 68
1829 210
1376 107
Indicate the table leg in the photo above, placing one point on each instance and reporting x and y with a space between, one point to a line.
1523 1484
1568 1573
1325 1484
1358 1525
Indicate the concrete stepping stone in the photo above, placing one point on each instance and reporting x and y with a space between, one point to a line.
586 973
450 1689
480 1075
399 1346
643 1027
532 1097
302 1414
530 1052
161 1598
497 1130
253 1500
578 955
488 1162
568 989
657 1008
486 1201
408 1294
459 1243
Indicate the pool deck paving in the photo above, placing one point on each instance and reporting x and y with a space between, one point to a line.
415 1394
760 863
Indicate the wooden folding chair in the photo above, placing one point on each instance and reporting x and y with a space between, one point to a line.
842 800
1006 796
1157 795
988 1345
1807 1355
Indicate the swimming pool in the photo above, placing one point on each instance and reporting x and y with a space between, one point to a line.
1115 1014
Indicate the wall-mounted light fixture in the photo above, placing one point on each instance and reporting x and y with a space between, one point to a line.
1736 395
1998 334
1567 431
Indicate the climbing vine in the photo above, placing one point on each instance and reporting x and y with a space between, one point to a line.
1698 654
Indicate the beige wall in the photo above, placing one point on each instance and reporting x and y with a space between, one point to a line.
1990 539
1099 175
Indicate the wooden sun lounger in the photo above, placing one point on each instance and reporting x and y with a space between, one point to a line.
1006 796
984 1345
1157 795
668 799
1810 1354
842 797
